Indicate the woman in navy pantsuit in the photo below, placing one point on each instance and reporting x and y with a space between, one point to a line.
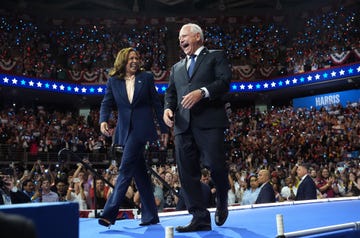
134 95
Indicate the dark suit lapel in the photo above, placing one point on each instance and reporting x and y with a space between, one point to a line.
183 69
120 84
139 84
199 59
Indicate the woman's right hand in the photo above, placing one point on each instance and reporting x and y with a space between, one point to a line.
104 128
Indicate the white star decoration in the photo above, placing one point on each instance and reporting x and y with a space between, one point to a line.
308 77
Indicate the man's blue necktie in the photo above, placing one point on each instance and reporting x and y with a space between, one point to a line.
192 65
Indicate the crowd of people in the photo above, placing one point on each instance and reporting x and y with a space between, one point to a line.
53 51
38 130
267 49
276 44
276 140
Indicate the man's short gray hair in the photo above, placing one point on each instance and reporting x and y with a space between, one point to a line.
194 28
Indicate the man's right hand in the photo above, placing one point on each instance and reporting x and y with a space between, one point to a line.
168 117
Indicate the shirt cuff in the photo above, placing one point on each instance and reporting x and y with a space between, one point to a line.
207 94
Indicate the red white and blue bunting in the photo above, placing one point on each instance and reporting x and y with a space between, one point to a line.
339 58
240 72
7 66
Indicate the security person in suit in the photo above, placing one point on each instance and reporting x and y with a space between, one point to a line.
306 189
136 99
194 107
266 194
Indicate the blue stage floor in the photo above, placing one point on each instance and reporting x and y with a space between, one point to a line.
243 221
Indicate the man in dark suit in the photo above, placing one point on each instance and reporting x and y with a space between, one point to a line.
133 93
194 106
266 194
9 193
306 188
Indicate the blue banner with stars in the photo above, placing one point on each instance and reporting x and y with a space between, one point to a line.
334 73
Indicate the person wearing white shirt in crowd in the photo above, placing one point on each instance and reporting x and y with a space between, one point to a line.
288 192
251 193
76 193
47 195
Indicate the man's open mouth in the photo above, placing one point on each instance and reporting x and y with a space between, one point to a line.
185 45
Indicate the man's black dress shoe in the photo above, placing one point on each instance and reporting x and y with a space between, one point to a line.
221 216
148 223
105 222
194 226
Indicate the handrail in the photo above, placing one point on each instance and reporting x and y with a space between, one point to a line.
9 155
324 229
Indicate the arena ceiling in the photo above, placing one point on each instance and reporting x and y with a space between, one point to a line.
166 7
